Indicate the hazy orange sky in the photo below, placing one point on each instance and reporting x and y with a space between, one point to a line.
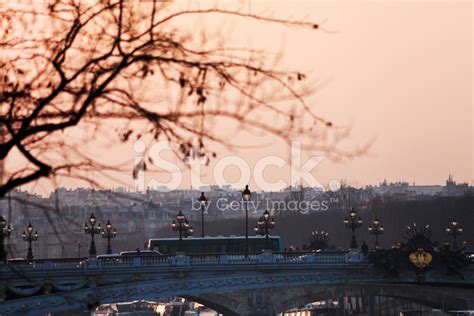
399 73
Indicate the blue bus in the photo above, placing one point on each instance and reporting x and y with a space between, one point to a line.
200 245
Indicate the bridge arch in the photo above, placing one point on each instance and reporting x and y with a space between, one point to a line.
279 300
441 297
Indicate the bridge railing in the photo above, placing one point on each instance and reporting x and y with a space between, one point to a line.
69 263
205 259
319 257
182 259
156 260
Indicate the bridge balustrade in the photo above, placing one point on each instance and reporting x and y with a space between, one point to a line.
242 258
26 265
70 263
156 260
116 262
187 259
205 258
292 257
332 256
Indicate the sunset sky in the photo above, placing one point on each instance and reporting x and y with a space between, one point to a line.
399 73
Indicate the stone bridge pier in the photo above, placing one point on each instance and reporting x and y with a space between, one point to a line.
269 302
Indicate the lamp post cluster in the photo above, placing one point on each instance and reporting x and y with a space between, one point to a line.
90 229
264 224
181 225
29 237
5 232
109 234
376 229
454 230
353 223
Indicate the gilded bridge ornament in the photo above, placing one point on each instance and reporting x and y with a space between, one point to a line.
420 258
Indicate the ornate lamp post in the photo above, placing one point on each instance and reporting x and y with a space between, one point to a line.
454 229
181 225
246 195
376 229
264 225
4 233
353 224
109 233
92 230
29 237
203 201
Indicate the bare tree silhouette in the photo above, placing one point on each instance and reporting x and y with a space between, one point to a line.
70 64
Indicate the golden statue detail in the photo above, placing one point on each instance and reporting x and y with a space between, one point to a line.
420 258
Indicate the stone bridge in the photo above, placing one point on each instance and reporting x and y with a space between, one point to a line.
236 284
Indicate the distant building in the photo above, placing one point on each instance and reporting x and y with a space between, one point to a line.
454 189
403 190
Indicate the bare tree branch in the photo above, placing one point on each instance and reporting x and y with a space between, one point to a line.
89 62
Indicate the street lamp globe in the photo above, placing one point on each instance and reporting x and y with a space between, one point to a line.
202 199
92 219
376 221
3 222
246 194
266 214
29 228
